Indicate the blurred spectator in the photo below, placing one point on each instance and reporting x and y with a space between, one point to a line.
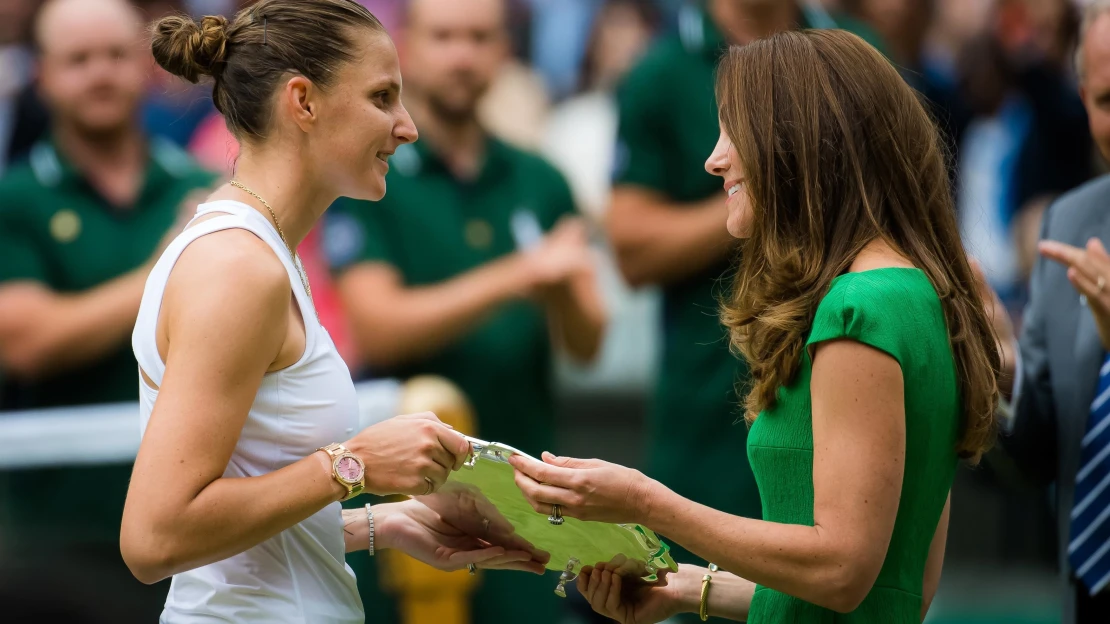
559 41
905 26
579 139
667 224
1028 140
515 106
1061 410
468 268
23 118
80 221
580 134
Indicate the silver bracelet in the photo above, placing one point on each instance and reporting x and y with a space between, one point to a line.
370 520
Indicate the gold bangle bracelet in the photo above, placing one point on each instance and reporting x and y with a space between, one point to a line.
703 610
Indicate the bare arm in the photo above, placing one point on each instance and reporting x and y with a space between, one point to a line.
619 594
394 324
42 332
575 312
859 444
935 562
659 242
577 316
858 460
225 330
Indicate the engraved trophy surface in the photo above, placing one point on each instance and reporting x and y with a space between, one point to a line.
487 482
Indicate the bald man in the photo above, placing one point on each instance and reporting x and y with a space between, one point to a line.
80 220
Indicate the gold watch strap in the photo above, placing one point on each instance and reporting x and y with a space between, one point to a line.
336 450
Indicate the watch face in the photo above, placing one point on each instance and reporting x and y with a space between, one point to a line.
349 469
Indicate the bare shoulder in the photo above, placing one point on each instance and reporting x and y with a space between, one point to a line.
850 358
878 254
231 275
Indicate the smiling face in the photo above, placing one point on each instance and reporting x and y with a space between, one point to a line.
361 120
724 163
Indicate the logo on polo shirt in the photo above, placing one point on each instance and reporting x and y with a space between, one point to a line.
478 234
65 226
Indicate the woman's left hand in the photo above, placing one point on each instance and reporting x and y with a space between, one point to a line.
1088 271
435 539
587 489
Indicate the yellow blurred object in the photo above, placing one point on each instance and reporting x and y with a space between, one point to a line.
426 595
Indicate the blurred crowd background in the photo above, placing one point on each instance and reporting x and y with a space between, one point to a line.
998 75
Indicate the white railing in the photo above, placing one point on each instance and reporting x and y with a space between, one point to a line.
108 434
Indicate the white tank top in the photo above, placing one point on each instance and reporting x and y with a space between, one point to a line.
300 574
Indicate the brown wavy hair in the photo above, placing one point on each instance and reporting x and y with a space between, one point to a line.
838 152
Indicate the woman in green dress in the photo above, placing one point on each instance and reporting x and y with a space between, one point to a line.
874 368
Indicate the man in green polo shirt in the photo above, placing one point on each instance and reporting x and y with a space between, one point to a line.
471 266
80 220
667 224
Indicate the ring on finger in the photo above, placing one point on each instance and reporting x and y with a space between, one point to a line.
1100 283
556 517
431 486
472 569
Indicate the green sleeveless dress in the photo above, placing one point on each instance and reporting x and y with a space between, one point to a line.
897 311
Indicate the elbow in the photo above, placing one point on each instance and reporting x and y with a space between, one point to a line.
628 250
380 356
846 585
23 361
635 274
148 557
586 353
146 564
377 349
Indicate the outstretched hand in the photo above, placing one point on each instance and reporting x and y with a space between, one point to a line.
439 541
1089 272
587 489
619 594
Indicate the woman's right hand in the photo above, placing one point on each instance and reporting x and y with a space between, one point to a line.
618 594
405 453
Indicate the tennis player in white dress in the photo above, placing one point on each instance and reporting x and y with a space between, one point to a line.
249 415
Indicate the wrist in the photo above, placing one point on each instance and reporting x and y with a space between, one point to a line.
388 520
521 275
687 588
656 504
338 492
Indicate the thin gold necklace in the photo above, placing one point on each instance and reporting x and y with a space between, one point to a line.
292 253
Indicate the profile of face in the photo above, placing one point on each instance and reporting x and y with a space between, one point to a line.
353 127
452 50
1095 86
724 163
91 63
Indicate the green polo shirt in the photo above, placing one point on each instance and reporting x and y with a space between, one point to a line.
56 229
668 126
432 227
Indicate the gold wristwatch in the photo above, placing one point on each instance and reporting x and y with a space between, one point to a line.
347 469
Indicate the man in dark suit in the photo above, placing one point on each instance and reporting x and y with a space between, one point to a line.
1058 426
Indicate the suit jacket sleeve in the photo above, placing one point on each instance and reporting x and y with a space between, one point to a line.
1031 442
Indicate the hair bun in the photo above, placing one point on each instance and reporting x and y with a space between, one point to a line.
189 49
